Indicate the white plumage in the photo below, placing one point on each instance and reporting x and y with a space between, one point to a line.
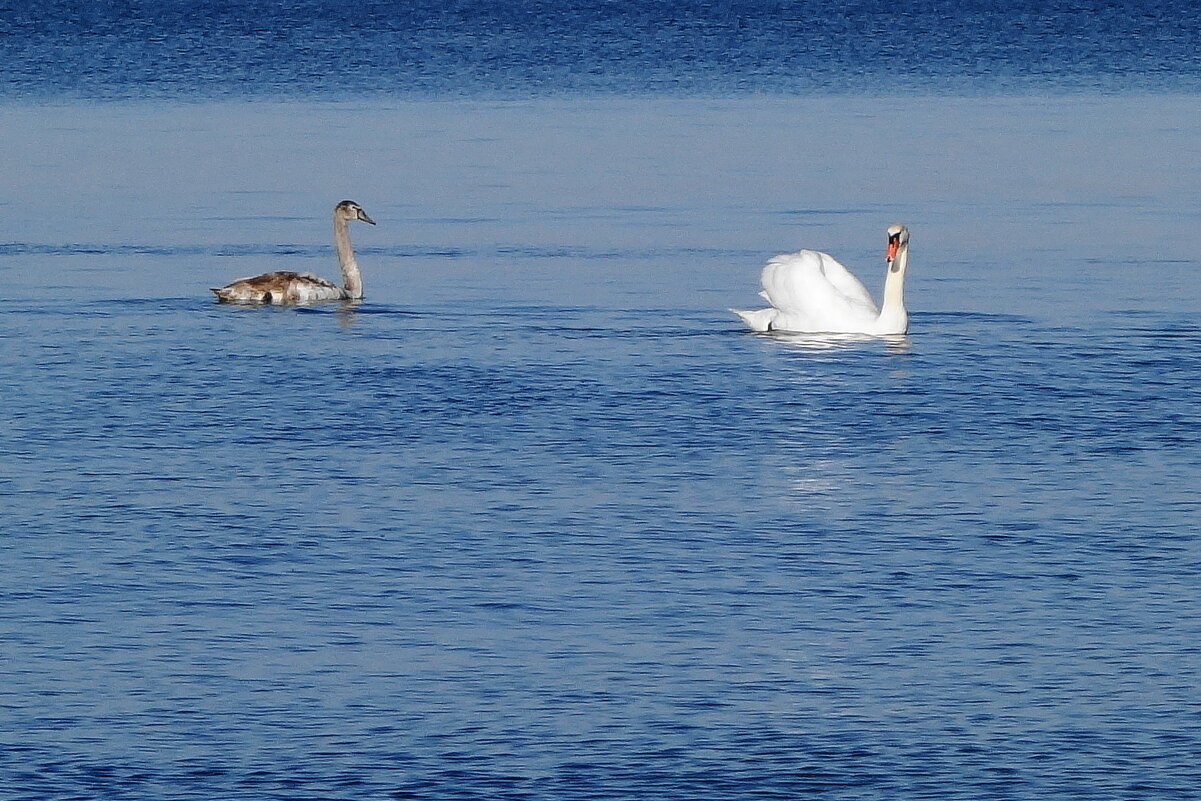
810 292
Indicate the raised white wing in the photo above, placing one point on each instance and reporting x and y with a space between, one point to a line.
813 292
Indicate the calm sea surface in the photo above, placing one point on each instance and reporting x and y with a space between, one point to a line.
538 519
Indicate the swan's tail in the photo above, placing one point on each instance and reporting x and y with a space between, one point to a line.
229 294
758 320
237 293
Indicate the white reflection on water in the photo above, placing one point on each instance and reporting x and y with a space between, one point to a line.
894 343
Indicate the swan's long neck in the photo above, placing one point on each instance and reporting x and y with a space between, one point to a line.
352 280
893 314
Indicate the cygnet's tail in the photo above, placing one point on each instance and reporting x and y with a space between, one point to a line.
758 320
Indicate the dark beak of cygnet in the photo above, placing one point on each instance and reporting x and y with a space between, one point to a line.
363 216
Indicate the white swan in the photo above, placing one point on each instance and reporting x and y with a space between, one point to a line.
289 287
810 292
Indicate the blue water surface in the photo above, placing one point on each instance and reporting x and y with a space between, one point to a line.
331 48
538 519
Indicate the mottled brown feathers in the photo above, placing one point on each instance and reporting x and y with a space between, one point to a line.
284 286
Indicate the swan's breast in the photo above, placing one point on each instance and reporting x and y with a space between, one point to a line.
308 288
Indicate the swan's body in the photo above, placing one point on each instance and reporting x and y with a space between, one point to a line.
300 288
810 292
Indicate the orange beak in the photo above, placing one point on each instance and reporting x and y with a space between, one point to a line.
894 243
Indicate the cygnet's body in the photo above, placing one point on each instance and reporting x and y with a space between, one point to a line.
290 287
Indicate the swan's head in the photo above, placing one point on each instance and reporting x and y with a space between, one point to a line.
349 210
898 237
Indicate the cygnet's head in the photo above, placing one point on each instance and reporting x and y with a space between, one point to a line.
898 235
349 210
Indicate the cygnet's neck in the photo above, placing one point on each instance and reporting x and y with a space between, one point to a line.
352 280
893 315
